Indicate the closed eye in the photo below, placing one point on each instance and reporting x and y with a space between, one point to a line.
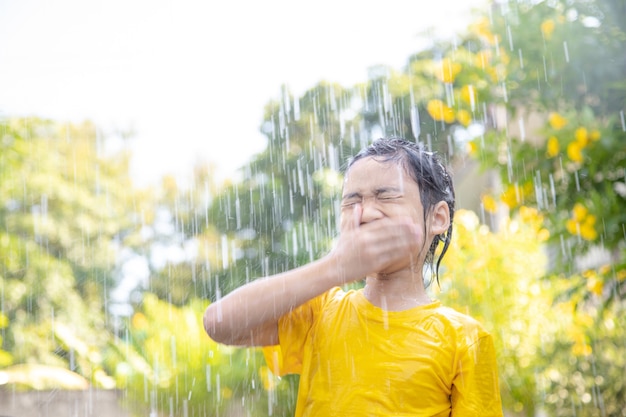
350 201
387 197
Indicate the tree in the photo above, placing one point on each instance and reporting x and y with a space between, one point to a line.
63 205
282 214
562 146
168 365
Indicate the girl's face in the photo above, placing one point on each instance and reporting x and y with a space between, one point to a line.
384 190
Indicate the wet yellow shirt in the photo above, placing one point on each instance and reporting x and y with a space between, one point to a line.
355 359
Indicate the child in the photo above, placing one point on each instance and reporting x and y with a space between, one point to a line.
386 349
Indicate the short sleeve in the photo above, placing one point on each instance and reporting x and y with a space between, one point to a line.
475 387
293 330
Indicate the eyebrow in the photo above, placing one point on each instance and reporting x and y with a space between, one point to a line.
378 191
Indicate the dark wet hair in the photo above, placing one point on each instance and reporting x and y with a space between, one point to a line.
432 178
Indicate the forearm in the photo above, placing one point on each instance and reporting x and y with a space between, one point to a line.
235 318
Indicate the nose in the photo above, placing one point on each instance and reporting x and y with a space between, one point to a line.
371 210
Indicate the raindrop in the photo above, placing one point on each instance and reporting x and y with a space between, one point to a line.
538 190
224 251
552 190
415 122
521 58
296 109
621 117
510 36
218 388
385 313
173 349
72 360
449 95
566 51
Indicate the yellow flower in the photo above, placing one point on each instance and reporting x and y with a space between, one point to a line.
514 195
481 28
448 70
269 381
227 393
464 117
587 229
489 203
510 197
589 273
557 121
582 223
595 285
439 111
547 27
448 115
581 136
139 321
588 232
472 148
468 94
572 226
553 148
530 215
594 135
581 349
579 212
575 152
543 234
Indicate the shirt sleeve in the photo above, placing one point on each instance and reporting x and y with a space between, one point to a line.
293 330
475 387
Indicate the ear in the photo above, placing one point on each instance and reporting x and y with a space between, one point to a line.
440 218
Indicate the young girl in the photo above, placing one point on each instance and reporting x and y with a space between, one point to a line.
386 349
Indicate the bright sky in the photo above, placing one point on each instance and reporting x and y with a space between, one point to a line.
192 77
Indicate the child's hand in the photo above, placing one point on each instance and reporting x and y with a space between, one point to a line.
384 245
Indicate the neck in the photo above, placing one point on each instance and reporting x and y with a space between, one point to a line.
396 292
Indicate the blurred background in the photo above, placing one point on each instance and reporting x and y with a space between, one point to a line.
156 155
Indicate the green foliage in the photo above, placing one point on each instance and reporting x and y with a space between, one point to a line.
62 204
552 358
584 365
509 274
282 213
169 365
565 152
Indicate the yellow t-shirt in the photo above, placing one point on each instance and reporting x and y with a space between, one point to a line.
355 359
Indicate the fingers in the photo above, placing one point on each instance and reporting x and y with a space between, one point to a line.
357 212
352 220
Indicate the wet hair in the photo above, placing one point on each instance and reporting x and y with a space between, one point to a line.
432 178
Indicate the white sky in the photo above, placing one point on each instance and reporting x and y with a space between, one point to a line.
192 77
